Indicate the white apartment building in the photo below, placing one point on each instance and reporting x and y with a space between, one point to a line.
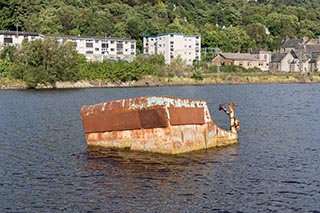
94 48
103 48
172 45
15 38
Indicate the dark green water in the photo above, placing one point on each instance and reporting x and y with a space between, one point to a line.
45 165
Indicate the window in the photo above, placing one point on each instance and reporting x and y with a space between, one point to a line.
112 49
104 45
260 64
240 63
249 64
89 52
97 41
111 42
119 45
89 45
96 49
171 42
8 40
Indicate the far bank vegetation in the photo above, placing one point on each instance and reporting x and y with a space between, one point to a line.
47 61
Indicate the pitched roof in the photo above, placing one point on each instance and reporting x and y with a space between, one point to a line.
314 57
312 48
277 57
238 56
292 43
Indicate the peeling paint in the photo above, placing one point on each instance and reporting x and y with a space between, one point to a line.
156 124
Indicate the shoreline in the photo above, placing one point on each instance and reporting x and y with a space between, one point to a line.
153 81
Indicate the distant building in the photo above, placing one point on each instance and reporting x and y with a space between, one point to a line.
173 45
297 55
15 38
94 48
258 58
103 48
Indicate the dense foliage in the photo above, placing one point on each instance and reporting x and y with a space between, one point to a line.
48 61
233 25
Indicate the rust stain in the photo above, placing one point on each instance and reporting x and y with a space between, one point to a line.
184 115
156 124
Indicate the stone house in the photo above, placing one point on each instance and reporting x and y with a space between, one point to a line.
257 58
297 55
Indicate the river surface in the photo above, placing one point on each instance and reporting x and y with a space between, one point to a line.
45 165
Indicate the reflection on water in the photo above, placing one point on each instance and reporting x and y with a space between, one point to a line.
151 179
45 165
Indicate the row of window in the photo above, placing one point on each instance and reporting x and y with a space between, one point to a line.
105 45
119 51
249 64
104 41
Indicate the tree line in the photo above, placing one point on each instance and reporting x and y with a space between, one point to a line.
233 25
48 61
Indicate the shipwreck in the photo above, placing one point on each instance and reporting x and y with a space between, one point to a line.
156 124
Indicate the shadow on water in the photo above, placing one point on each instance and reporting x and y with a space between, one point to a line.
156 181
129 162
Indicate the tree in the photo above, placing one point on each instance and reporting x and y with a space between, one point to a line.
257 32
237 40
47 61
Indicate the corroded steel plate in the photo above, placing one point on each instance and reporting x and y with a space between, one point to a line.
124 119
186 115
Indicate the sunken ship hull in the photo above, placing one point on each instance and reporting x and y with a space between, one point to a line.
155 124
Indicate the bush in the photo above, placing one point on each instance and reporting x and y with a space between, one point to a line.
197 74
46 61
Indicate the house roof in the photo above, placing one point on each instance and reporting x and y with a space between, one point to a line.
292 43
6 32
314 57
312 48
74 37
165 34
238 56
277 57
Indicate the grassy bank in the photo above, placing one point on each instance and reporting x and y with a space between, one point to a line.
246 78
207 78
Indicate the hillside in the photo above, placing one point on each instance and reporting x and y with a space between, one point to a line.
233 25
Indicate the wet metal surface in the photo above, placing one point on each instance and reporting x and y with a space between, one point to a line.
181 125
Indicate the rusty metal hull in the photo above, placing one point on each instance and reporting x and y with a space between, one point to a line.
153 124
